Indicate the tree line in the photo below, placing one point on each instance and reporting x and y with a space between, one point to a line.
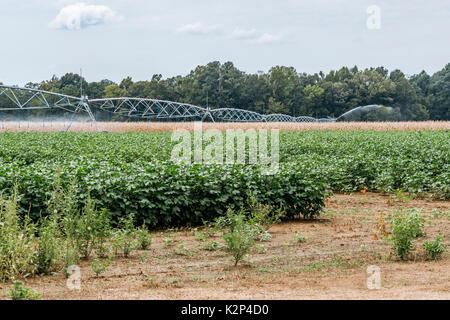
283 90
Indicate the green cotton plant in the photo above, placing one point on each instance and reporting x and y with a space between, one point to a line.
134 180
132 173
238 235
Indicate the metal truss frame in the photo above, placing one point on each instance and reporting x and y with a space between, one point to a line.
280 118
32 99
133 108
237 115
150 108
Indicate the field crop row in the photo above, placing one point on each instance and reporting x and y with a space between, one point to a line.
132 172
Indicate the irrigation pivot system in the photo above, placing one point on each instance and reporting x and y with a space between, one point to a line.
25 102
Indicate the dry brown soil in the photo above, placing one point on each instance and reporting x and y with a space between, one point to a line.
331 264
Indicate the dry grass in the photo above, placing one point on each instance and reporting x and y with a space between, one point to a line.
169 126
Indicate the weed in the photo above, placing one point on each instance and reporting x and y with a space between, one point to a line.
314 266
239 235
209 229
89 230
400 196
262 214
48 244
19 292
123 238
298 238
440 214
143 257
405 228
17 250
69 256
149 282
264 235
143 238
200 235
381 224
337 261
261 249
181 250
211 245
99 266
169 240
435 248
175 282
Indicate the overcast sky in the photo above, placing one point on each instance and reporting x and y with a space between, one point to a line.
115 38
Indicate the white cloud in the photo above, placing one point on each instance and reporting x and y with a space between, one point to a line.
244 34
251 35
80 15
198 28
269 38
255 36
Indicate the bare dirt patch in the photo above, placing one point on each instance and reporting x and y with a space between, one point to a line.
331 264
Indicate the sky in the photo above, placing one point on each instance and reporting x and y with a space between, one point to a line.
113 39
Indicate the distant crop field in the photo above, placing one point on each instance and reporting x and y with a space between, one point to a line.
25 126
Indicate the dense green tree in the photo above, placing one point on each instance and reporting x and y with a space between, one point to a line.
313 102
51 85
96 90
284 83
256 93
405 98
421 83
439 95
72 80
276 107
284 90
114 91
126 83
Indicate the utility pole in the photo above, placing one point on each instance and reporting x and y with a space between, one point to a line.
220 80
220 86
81 82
